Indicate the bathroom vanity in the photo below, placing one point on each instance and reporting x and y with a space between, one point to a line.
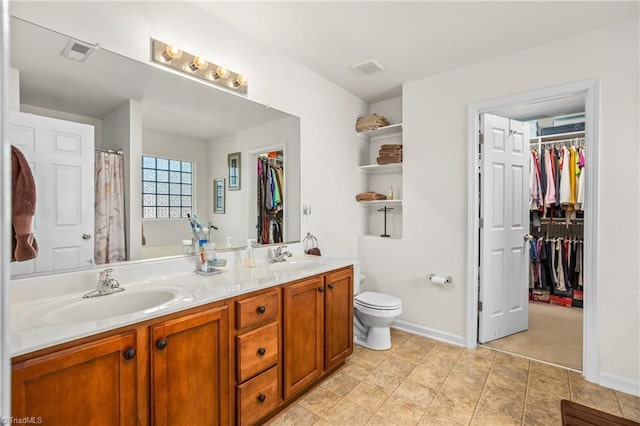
234 348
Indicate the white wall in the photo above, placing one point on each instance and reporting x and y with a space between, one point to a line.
327 112
435 204
122 129
161 232
239 220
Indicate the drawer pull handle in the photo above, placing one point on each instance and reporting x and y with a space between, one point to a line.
261 309
262 397
130 353
161 344
331 286
262 351
321 289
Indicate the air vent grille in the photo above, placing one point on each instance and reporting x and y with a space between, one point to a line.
369 67
77 50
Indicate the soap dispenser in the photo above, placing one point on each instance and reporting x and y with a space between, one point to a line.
249 260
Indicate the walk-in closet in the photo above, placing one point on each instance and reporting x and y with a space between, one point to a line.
556 235
270 176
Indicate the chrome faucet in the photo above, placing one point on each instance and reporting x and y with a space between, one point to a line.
106 285
279 255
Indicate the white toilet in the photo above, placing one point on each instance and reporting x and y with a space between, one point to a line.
373 314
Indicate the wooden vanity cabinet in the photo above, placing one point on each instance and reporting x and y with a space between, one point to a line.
318 327
338 317
257 356
190 369
91 383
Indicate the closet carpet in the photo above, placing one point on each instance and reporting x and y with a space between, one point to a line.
420 381
554 335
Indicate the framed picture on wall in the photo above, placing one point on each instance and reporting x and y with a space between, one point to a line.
234 171
218 196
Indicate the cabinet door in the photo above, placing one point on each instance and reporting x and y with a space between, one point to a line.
190 369
90 384
303 333
338 317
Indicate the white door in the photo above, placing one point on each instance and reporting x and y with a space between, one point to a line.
61 156
504 286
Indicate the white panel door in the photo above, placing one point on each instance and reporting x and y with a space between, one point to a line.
504 286
61 156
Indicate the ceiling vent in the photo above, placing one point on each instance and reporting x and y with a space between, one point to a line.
77 50
369 67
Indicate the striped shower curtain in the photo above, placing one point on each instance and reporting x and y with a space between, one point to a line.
109 208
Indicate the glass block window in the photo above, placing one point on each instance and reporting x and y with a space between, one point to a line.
166 188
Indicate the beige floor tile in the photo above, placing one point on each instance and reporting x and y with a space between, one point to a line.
505 359
560 383
630 406
548 370
319 400
410 353
463 384
431 377
397 367
423 343
296 415
602 398
415 392
432 419
439 360
371 357
346 412
450 351
322 422
378 420
499 405
400 335
357 369
454 407
536 416
548 399
515 374
368 396
383 380
488 419
497 383
401 411
340 383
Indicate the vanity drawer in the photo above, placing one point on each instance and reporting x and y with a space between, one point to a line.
258 397
257 351
257 310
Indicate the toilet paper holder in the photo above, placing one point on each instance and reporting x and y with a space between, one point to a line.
443 281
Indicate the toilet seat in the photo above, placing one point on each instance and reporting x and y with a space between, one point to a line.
378 301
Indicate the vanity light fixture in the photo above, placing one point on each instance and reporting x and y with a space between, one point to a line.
196 66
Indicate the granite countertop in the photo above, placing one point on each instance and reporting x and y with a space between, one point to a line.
40 322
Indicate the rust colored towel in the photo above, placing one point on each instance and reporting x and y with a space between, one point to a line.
23 207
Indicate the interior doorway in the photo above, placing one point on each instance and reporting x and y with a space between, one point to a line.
584 95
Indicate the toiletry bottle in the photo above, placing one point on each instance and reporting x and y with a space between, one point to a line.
228 244
390 192
249 260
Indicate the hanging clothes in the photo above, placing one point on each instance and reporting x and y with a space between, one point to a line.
270 201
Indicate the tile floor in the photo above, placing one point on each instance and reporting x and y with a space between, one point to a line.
420 381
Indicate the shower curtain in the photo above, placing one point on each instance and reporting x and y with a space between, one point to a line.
109 208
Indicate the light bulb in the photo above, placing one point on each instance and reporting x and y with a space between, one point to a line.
222 72
171 52
240 80
198 64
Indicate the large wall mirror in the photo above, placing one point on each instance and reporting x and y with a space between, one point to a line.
173 135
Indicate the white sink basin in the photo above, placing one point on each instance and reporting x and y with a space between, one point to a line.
79 309
294 265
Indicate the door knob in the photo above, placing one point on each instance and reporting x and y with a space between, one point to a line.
86 236
528 237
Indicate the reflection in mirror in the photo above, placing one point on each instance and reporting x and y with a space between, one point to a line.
67 107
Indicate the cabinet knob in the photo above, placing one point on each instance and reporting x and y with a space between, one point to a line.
331 286
261 309
130 353
262 351
262 397
161 344
321 289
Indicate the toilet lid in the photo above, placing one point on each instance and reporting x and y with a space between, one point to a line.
374 300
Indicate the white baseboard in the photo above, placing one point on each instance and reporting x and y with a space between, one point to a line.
619 383
431 333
